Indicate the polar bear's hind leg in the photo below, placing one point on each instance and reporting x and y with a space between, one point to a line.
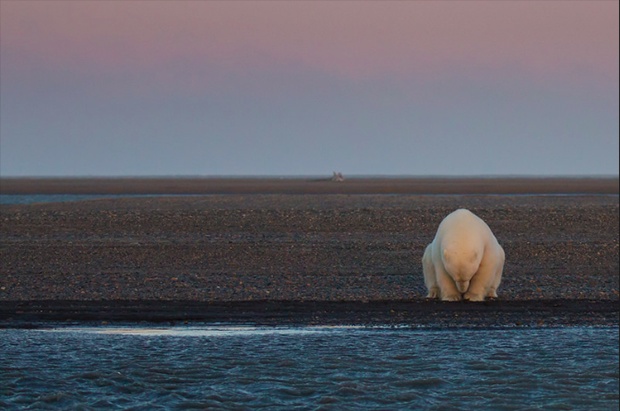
430 279
498 274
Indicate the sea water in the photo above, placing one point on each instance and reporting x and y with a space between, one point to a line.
309 368
12 199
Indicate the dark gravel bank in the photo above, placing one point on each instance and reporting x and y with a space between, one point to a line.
416 313
166 253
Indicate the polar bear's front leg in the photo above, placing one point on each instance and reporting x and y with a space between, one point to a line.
481 283
478 287
447 286
486 281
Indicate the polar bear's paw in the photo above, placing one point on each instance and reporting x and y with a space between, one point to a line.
451 297
474 297
433 293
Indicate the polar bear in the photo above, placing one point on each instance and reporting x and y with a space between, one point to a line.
464 260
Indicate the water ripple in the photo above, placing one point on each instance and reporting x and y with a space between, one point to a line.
312 368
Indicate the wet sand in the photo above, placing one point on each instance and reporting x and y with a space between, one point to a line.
342 257
413 313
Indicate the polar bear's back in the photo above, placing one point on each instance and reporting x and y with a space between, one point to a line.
463 227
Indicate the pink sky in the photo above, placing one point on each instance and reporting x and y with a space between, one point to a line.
306 87
355 40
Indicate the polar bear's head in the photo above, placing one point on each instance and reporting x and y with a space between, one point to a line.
461 265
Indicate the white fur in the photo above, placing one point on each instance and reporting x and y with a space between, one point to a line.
464 260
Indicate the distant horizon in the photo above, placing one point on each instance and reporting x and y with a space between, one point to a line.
326 176
319 185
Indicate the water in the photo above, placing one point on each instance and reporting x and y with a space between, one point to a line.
53 198
309 368
10 199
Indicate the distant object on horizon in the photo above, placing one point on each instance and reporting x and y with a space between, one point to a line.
337 176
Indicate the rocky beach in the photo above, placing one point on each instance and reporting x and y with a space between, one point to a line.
303 254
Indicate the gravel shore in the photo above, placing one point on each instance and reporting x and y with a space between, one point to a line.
309 249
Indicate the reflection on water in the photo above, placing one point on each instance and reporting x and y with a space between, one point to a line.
309 368
209 331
